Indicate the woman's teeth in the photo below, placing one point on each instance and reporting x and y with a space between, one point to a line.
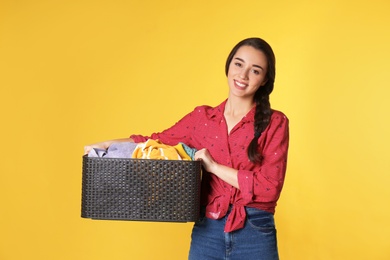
240 84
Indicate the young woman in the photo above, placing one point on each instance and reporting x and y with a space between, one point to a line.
243 146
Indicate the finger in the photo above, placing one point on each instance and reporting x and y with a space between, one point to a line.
87 149
197 157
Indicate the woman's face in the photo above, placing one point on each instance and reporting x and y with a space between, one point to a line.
247 72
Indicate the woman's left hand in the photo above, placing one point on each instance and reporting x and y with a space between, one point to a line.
206 158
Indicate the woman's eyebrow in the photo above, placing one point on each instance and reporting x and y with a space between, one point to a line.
254 65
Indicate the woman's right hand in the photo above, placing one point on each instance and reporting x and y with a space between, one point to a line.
104 145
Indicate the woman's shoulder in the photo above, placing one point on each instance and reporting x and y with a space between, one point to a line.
202 108
210 110
279 116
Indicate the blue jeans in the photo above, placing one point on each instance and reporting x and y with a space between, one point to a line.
257 240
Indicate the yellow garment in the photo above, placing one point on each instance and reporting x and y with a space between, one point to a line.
154 149
183 154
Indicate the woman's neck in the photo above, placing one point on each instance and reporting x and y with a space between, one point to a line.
235 107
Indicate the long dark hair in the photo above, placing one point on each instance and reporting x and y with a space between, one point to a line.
261 97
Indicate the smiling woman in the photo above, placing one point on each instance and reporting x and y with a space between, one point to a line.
243 145
72 72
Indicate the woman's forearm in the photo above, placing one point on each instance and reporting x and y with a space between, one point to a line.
225 173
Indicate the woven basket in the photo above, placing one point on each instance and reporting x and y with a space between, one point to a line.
138 189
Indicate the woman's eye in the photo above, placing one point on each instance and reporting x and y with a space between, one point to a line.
256 72
238 64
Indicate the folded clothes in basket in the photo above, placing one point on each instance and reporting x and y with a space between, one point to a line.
115 150
151 149
154 149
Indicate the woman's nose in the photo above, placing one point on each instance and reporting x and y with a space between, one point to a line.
244 74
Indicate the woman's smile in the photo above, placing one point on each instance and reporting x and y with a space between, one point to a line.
240 85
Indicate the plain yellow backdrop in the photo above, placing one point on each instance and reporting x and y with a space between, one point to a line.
77 72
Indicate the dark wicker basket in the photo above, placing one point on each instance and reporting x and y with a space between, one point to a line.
138 189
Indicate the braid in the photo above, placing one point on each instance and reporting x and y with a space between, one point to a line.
262 119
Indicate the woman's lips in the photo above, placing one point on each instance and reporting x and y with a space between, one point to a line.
240 84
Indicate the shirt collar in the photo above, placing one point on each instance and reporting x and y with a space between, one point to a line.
217 112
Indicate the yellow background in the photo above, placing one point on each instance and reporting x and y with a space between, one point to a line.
79 71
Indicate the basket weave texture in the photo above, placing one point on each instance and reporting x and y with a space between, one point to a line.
140 189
